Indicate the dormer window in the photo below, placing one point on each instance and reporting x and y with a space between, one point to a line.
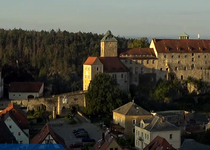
167 48
201 48
190 48
179 48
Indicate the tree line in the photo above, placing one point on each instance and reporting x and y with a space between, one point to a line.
54 57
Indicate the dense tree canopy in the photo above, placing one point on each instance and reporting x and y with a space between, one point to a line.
103 95
54 57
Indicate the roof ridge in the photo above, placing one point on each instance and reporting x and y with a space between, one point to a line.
157 118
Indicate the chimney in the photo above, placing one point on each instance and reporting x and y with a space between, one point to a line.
103 136
198 36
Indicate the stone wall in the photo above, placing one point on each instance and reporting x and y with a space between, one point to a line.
63 101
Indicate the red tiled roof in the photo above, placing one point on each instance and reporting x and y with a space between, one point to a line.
18 114
158 143
25 86
46 130
90 60
137 53
182 45
103 144
113 64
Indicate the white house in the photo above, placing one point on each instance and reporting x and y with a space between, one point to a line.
25 90
148 129
14 126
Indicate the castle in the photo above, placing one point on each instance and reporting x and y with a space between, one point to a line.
164 59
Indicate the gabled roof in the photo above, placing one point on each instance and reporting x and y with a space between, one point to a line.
190 144
25 86
113 64
90 60
18 114
6 136
47 130
184 34
131 109
182 45
137 53
108 37
159 143
103 143
159 124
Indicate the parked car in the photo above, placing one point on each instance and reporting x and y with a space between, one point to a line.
82 135
80 132
76 145
88 140
77 130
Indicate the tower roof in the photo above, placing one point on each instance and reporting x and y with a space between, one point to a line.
184 34
108 37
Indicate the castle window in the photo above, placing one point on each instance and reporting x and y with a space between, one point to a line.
178 62
172 56
178 56
198 56
166 69
192 59
181 77
130 61
192 66
185 56
205 56
185 68
176 68
147 61
161 69
153 61
192 54
164 56
97 68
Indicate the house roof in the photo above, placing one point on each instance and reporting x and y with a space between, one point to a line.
90 60
25 86
137 53
182 45
6 136
113 64
131 109
159 124
47 130
108 37
103 144
159 143
18 122
190 144
17 113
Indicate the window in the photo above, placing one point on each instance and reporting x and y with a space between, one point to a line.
198 56
172 56
166 69
164 56
134 121
116 149
130 61
133 130
97 68
185 68
176 68
192 66
147 61
142 70
170 136
192 59
18 133
19 95
185 56
178 62
136 61
121 75
13 94
181 77
161 69
136 70
192 54
10 126
178 56
126 60
153 61
111 148
205 56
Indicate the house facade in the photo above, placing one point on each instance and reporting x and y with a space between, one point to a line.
6 136
25 90
148 129
128 116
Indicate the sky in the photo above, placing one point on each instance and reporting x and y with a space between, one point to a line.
126 18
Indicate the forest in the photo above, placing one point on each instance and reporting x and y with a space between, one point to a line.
54 57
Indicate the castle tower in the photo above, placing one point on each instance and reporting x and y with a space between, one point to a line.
109 45
184 36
